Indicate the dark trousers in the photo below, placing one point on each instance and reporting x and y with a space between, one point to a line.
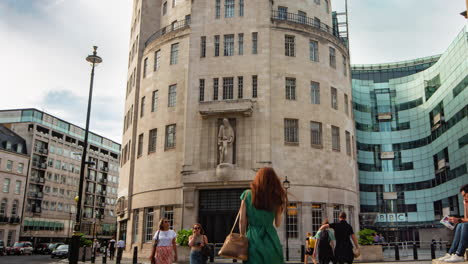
111 253
119 254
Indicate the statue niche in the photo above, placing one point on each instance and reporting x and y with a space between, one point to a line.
226 139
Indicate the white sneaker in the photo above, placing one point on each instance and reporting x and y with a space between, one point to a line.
455 258
446 256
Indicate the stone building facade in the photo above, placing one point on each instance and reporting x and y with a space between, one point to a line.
55 148
277 71
14 162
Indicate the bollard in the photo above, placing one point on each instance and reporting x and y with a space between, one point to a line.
397 252
415 251
212 253
433 256
84 254
135 255
302 253
104 256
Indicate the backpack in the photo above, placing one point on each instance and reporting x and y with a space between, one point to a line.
311 242
324 248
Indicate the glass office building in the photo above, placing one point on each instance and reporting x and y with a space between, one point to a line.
412 132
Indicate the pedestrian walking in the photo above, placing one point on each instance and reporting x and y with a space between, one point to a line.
343 233
120 249
164 248
197 241
112 248
264 204
96 247
324 248
309 245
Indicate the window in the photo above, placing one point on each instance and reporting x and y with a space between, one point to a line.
10 237
20 167
167 212
18 187
292 221
302 17
316 133
164 8
327 7
218 9
14 208
172 95
149 218
332 57
291 130
6 185
241 8
289 46
203 47
170 137
317 22
315 92
241 43
313 50
348 143
3 206
228 8
317 2
228 88
317 216
142 110
229 45
254 42
335 138
174 53
152 136
188 19
334 98
282 12
154 101
216 43
9 165
201 86
157 60
240 87
336 213
140 145
135 226
346 104
290 88
173 3
345 67
254 86
145 67
215 88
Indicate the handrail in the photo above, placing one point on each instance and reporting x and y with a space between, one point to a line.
168 29
296 18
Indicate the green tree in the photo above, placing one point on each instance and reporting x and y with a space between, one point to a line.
183 236
366 236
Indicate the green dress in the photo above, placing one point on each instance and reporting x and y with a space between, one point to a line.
264 243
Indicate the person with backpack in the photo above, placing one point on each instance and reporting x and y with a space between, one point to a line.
325 245
309 245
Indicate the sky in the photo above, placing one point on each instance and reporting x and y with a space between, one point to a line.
44 44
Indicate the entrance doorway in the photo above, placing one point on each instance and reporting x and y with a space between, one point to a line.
217 212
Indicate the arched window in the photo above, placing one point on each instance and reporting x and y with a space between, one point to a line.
14 208
3 206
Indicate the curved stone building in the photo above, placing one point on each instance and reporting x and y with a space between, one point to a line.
412 133
277 72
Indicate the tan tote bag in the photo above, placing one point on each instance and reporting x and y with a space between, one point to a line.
236 246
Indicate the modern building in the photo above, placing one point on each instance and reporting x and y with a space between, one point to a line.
412 133
14 163
279 74
55 148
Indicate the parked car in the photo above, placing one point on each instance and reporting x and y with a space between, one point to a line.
41 248
22 248
2 248
8 250
53 246
60 252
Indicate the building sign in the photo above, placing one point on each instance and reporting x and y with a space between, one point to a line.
387 155
388 218
389 195
385 116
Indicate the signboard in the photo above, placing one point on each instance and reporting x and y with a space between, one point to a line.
385 116
389 195
388 218
441 164
387 155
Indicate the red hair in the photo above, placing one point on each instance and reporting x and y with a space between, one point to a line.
267 192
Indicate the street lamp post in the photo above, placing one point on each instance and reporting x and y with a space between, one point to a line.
286 187
94 60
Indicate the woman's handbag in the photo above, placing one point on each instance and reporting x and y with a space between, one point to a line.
356 252
206 251
236 246
153 259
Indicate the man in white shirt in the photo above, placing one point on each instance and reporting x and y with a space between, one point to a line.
120 248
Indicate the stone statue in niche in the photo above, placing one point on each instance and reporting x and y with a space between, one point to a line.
225 142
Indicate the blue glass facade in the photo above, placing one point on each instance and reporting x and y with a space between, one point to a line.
412 132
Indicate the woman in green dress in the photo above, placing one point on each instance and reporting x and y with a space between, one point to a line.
262 206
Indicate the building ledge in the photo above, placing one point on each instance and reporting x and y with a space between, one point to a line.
239 106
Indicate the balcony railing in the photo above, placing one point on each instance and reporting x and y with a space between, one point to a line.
14 220
168 29
4 219
39 165
41 150
308 21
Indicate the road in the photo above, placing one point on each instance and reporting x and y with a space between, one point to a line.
34 259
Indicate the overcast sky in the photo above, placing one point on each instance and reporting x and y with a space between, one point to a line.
44 44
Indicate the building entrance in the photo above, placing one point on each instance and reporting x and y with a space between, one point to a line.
217 212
